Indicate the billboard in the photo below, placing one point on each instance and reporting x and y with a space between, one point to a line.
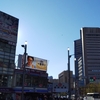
8 27
34 63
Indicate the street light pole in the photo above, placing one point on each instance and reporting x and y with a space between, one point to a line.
69 88
75 60
25 48
75 88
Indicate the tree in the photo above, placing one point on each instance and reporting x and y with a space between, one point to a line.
91 87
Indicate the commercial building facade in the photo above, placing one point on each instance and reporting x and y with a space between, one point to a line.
35 83
36 78
63 78
8 41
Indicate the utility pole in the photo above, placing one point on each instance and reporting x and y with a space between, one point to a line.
25 48
69 88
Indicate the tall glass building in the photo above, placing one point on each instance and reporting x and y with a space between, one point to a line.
79 73
8 41
90 37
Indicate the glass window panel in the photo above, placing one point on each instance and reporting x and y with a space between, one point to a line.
5 64
27 80
13 47
0 80
9 96
1 49
4 80
42 82
12 65
7 57
6 60
9 69
36 81
32 81
9 81
12 58
2 56
0 71
2 44
5 69
19 79
12 55
9 72
1 64
7 54
4 72
0 68
11 61
7 45
1 52
12 51
1 59
7 49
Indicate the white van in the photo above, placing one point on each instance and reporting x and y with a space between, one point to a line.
88 98
92 96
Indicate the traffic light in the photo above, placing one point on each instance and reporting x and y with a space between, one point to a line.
92 79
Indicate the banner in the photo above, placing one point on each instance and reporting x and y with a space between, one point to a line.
34 63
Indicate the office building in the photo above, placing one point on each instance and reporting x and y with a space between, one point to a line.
8 41
90 38
63 77
79 73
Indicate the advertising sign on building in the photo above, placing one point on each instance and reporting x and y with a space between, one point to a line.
8 27
34 63
60 87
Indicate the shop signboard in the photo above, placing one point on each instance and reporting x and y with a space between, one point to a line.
7 90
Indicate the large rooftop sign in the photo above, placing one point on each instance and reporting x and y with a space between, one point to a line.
33 63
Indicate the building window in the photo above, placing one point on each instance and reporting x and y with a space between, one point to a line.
4 71
27 80
0 70
7 45
10 81
36 81
6 60
19 79
11 61
5 64
11 65
6 49
1 63
5 80
33 81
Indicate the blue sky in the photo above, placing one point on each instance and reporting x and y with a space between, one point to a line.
51 26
